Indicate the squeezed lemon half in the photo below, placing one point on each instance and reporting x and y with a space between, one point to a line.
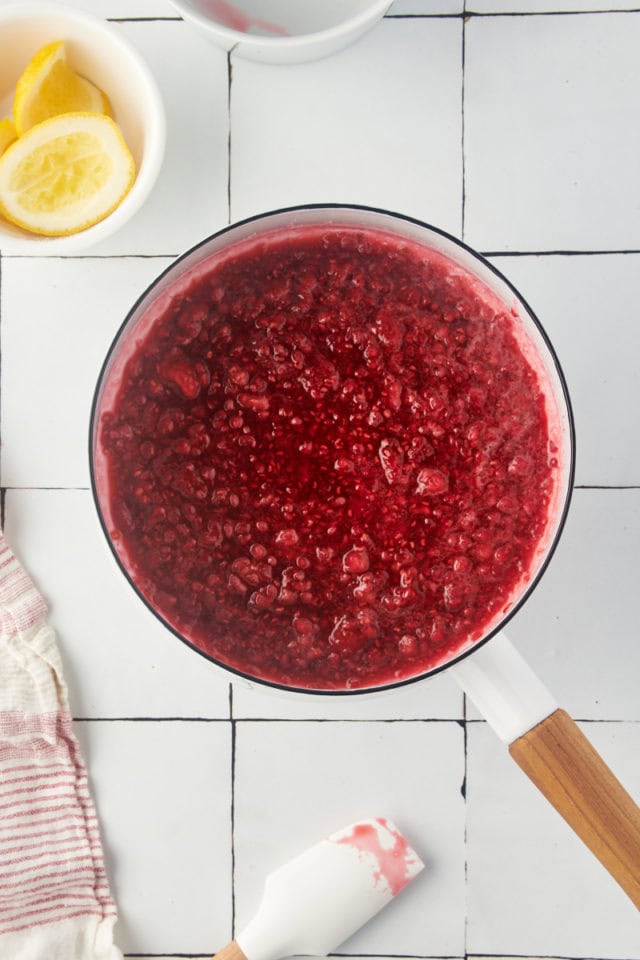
65 174
49 87
64 164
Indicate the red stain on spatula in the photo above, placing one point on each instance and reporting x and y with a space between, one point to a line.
393 861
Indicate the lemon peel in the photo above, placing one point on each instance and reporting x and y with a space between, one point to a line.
7 134
49 87
65 174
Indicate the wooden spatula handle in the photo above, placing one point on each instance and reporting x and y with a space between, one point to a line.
230 952
561 762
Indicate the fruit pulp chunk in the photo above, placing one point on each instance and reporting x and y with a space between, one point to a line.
328 461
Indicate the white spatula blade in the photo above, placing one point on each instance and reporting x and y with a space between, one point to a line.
316 901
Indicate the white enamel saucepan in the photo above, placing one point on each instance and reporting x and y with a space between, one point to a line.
542 739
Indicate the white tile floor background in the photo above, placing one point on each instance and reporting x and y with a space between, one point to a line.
511 123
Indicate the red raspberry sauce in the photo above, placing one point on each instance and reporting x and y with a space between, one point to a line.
328 461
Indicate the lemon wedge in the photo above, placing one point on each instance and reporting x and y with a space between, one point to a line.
7 134
49 87
65 174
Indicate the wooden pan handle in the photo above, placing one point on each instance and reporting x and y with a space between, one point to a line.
561 762
230 952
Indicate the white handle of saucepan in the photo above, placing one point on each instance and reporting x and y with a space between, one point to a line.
554 753
504 688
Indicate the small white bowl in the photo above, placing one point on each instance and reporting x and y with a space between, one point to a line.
99 53
282 31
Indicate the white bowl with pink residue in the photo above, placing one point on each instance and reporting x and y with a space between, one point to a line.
282 31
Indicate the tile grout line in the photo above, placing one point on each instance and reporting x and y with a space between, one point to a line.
430 16
541 956
335 720
29 487
394 956
233 723
409 956
613 486
497 14
552 13
144 19
462 124
94 256
423 16
229 83
150 719
631 251
465 791
623 252
274 719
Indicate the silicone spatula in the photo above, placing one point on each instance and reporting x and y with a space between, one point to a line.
315 901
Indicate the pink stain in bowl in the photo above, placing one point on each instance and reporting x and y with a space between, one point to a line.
397 863
231 16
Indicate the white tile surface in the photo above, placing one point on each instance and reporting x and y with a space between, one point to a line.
330 775
189 200
438 698
351 128
578 630
548 140
119 660
584 305
58 320
533 888
163 797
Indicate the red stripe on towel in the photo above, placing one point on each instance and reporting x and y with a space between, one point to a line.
50 854
69 916
49 889
75 817
81 874
51 866
52 834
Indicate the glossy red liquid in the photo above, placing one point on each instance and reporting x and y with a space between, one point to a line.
328 462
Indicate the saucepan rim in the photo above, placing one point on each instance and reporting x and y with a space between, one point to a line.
566 494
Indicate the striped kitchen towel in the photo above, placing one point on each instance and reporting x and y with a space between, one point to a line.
54 896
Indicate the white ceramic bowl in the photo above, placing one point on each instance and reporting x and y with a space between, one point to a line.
97 51
282 31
